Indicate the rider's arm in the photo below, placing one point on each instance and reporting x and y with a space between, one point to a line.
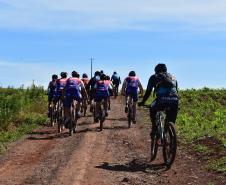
84 89
149 89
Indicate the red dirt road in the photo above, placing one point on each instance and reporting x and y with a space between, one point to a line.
117 155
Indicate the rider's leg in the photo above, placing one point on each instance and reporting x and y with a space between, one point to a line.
172 112
153 112
126 102
106 106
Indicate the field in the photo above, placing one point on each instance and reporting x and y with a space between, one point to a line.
202 124
21 110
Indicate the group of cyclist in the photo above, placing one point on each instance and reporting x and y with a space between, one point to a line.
83 91
100 87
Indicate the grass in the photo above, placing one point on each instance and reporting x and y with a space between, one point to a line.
21 110
218 165
202 149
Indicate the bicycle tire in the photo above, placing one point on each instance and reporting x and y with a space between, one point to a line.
154 147
169 158
102 119
130 117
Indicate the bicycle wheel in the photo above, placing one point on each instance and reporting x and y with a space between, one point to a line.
71 121
170 144
154 147
51 112
130 114
102 119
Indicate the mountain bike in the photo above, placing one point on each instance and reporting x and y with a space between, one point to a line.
102 115
115 89
164 136
72 123
130 113
60 115
84 106
53 114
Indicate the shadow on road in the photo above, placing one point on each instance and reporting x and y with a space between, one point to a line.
116 128
117 119
134 166
51 137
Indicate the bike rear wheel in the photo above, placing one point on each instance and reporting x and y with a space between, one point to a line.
102 119
170 144
154 147
130 117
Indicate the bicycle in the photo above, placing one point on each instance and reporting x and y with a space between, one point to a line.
164 136
84 106
130 113
53 114
73 118
115 89
102 115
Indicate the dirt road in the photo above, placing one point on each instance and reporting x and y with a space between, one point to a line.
116 156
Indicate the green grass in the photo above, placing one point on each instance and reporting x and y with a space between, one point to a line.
218 165
21 110
202 149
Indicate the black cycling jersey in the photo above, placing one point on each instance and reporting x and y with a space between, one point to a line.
160 80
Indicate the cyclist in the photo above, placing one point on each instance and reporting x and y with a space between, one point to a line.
130 89
60 85
85 80
91 86
51 91
102 93
72 92
165 88
116 81
108 79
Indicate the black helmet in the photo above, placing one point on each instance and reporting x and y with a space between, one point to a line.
54 77
160 68
102 72
132 73
75 74
108 77
102 77
115 73
97 73
84 75
63 74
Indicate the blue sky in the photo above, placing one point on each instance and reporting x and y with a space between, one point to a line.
42 37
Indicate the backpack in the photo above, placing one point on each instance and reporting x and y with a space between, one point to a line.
166 86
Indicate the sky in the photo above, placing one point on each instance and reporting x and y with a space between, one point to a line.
41 37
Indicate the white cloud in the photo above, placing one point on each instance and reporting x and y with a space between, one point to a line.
112 14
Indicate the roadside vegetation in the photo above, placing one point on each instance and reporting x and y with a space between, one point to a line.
21 110
201 124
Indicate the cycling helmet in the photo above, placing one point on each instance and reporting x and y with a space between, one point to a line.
108 77
102 77
75 74
54 77
63 74
84 75
160 68
102 72
132 73
97 73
